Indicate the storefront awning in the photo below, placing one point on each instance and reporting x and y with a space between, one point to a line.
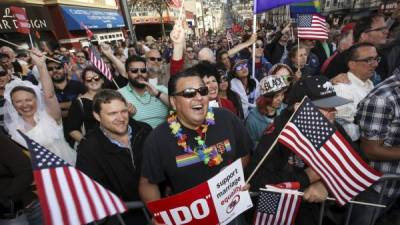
91 17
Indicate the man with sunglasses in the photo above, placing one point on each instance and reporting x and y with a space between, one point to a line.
213 133
66 90
150 101
362 62
156 72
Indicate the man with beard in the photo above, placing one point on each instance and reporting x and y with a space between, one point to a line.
112 153
150 101
156 71
66 90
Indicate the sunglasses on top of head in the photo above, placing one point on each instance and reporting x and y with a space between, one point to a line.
192 92
136 70
159 59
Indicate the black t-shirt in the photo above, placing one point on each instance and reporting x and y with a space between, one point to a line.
70 92
81 114
164 160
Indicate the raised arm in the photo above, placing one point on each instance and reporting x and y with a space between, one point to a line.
50 98
243 45
107 51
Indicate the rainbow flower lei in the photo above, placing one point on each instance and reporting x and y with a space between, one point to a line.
212 158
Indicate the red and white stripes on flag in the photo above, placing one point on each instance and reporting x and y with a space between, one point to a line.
313 138
312 26
68 196
98 62
275 208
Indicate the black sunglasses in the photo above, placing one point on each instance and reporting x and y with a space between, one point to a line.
95 78
51 68
155 58
136 70
191 92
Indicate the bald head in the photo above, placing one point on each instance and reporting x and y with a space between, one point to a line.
206 54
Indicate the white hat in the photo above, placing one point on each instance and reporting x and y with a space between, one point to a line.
272 84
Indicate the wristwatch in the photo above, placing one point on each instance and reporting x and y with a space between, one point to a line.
158 94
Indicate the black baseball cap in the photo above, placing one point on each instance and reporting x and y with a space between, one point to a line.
320 91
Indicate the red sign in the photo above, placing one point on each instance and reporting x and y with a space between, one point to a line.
22 23
217 201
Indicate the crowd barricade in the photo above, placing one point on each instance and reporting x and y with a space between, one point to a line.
385 179
138 205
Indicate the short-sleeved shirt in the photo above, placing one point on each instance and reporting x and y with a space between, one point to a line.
164 160
149 109
379 118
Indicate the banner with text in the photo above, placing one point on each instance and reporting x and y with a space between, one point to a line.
217 201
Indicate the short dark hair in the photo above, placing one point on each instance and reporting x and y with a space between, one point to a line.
206 69
106 96
352 51
363 25
22 88
92 69
190 72
133 58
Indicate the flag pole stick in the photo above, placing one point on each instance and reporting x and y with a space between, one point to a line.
253 64
278 190
30 39
17 46
115 83
272 146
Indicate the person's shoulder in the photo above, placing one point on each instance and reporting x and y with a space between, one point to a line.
93 141
139 125
162 88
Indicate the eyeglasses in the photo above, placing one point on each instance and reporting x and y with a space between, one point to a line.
191 92
384 28
51 68
95 78
136 70
80 56
369 60
189 51
155 58
241 67
224 78
259 46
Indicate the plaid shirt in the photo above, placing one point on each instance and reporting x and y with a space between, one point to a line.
378 116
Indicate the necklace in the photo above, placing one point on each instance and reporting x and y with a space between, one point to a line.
209 157
138 97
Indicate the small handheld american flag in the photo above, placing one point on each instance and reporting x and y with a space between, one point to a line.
277 208
312 26
67 196
99 63
313 138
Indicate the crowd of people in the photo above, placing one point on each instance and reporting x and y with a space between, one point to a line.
177 111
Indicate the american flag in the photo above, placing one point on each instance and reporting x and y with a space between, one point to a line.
68 196
312 26
312 137
89 33
276 208
98 62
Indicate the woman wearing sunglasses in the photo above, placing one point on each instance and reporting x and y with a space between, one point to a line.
269 105
245 86
227 98
80 116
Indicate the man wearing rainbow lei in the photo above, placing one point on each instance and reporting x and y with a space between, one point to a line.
194 144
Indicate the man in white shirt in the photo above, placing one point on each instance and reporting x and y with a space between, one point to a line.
362 62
